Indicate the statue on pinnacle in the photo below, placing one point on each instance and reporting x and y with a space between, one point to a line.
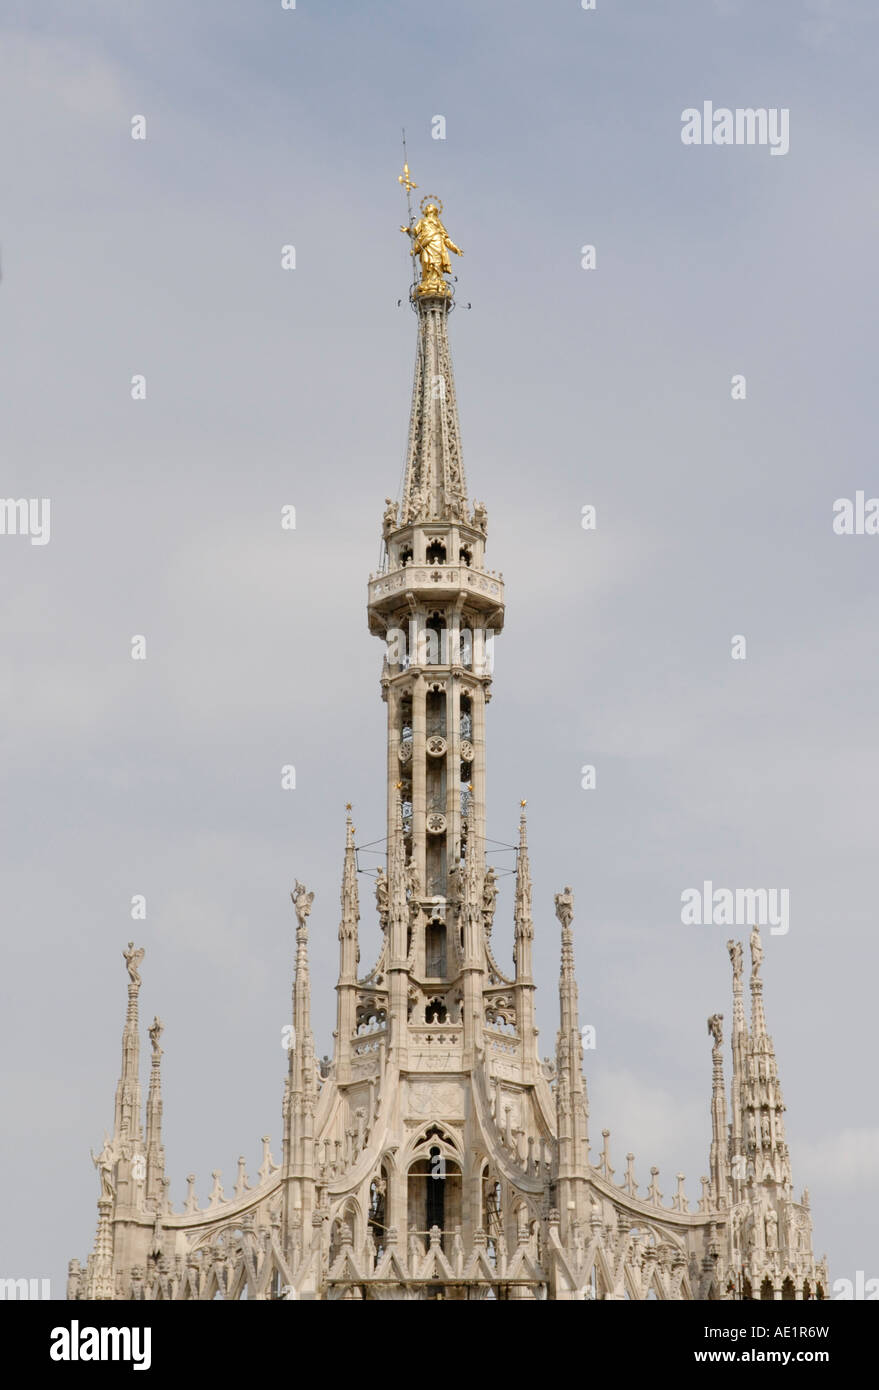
431 242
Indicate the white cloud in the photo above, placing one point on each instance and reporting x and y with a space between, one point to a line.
659 1127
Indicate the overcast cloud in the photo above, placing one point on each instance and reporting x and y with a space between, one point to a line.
611 387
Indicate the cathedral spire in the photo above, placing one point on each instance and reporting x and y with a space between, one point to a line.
155 1152
523 938
119 1162
398 931
127 1126
763 1104
737 1150
350 952
523 924
437 609
719 1137
301 1087
349 956
571 1103
434 488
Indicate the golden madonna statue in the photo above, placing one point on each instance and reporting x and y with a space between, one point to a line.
431 242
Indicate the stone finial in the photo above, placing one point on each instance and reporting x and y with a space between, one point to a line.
629 1182
654 1194
241 1184
267 1166
604 1162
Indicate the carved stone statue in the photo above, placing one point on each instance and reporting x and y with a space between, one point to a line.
735 954
756 952
105 1163
564 907
489 896
155 1031
413 880
715 1028
389 520
302 901
431 242
480 517
382 897
417 504
771 1229
132 961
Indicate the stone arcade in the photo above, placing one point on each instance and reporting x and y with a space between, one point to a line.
436 1156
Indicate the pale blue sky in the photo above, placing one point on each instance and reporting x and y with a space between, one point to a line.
268 127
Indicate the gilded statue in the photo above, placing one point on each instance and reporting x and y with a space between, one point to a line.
431 242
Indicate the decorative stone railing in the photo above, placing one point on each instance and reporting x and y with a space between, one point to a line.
437 576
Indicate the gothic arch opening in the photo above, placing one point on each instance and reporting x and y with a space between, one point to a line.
434 630
434 1194
379 1205
435 952
345 1225
466 717
492 1211
435 706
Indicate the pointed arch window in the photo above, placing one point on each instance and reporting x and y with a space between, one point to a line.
435 951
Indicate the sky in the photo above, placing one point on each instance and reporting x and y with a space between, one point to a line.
609 387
